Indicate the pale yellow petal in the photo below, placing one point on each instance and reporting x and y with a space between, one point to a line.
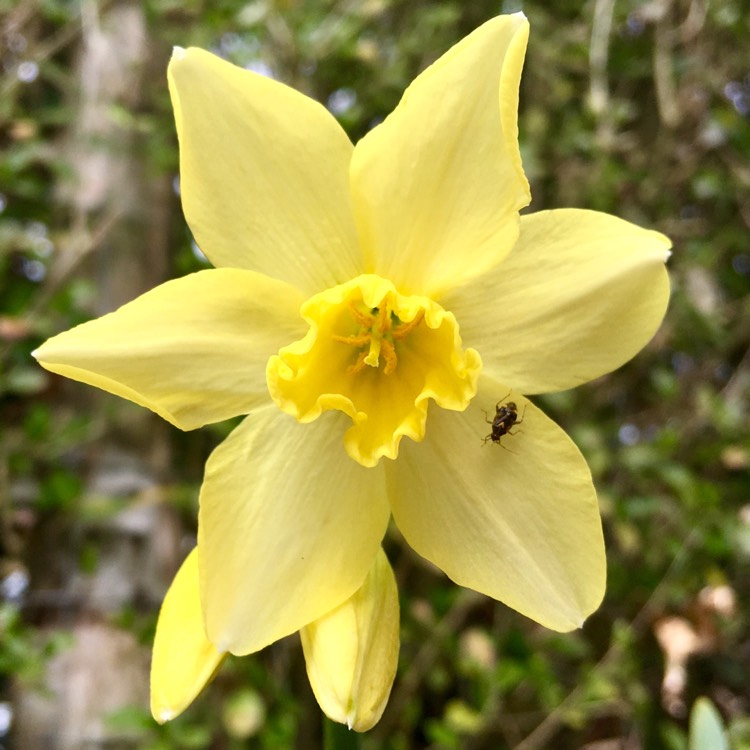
351 653
581 293
289 526
517 521
194 350
263 174
438 184
183 659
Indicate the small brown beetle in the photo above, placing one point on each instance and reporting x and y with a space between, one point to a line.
505 418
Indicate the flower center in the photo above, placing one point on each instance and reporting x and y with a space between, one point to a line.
378 356
379 327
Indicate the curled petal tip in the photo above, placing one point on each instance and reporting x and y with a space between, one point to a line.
178 53
165 715
35 354
223 645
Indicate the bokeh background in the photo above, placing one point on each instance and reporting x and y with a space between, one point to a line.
641 109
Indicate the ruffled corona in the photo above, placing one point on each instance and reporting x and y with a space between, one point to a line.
377 356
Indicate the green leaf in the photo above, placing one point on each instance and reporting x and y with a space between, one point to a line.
706 727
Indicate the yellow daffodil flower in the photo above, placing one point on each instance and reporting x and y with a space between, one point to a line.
351 652
366 294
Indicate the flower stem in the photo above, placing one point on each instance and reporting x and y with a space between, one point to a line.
339 737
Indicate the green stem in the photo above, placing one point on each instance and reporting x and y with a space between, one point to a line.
339 737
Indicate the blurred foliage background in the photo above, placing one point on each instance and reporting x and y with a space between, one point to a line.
640 109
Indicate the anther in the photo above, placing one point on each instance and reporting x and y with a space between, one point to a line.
381 328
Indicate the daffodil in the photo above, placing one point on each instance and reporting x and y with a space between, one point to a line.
370 307
351 652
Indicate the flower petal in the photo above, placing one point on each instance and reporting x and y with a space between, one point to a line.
351 653
288 528
263 174
437 185
183 660
581 293
194 350
518 522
